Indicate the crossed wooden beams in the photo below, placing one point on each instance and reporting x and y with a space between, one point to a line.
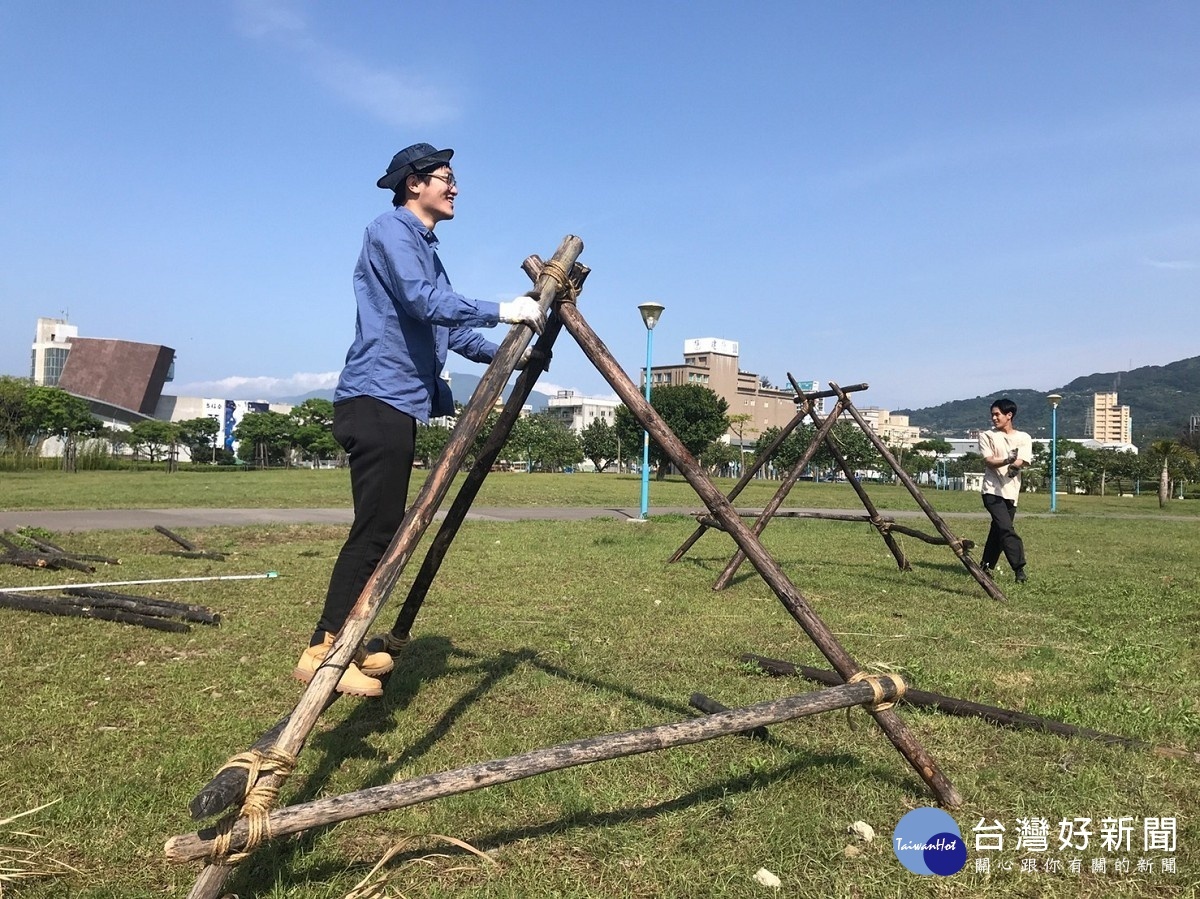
806 408
557 284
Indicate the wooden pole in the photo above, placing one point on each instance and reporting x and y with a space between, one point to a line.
492 447
388 797
789 595
988 585
408 536
844 466
793 477
78 608
761 459
964 708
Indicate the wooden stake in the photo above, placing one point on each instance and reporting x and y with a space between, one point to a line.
964 708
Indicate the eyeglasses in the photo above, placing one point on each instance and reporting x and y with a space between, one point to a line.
450 180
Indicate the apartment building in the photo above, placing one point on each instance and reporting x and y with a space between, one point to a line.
1109 422
577 412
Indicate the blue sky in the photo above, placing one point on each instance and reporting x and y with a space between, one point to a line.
941 199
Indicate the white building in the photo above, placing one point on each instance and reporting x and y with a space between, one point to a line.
577 412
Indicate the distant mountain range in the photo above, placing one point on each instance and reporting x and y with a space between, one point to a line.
1161 400
462 385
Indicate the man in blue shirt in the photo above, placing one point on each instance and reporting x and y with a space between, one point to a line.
409 317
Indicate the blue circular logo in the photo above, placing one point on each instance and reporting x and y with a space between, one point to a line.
928 841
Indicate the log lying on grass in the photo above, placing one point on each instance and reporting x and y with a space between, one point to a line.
964 708
53 549
710 707
388 797
72 607
18 555
145 605
190 549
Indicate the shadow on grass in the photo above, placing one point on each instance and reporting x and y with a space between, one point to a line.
429 658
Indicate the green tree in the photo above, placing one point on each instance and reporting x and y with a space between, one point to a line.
431 441
52 412
312 429
267 435
544 441
718 455
155 438
1169 453
599 443
199 435
695 414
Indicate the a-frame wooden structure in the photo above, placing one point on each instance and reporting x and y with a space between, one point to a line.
886 526
259 774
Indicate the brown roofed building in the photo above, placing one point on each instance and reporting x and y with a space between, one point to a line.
118 373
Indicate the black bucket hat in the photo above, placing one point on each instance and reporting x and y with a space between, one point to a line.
410 160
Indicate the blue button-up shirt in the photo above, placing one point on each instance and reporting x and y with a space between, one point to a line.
408 318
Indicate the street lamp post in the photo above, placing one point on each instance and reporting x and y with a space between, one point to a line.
651 313
1054 399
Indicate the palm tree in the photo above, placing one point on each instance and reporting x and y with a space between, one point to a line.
1170 451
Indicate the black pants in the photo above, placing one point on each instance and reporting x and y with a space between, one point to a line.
381 443
1002 535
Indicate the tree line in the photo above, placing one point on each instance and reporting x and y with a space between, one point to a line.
29 415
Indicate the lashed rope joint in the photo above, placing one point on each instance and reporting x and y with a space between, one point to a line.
256 807
567 290
876 682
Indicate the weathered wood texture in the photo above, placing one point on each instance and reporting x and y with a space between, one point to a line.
146 605
768 568
710 706
965 708
323 812
821 436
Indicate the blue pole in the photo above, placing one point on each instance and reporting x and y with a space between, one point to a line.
646 434
1054 458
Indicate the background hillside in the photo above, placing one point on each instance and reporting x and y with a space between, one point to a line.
1161 399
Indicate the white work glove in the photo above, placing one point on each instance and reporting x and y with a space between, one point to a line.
523 311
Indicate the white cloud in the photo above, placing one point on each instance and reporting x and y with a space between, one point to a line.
1172 264
238 387
389 94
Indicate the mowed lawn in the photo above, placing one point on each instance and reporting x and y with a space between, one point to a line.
542 632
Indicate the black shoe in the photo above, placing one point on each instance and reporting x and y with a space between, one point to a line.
989 570
1020 575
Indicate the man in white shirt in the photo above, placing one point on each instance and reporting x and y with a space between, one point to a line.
1005 452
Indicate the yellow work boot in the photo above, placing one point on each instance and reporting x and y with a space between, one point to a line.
353 681
387 644
372 662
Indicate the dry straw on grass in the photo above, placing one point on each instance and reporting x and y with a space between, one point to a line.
21 854
374 885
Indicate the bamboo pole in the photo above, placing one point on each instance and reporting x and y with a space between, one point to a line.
793 477
408 536
789 595
760 460
964 708
710 706
388 797
988 585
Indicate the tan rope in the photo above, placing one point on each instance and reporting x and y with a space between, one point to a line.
256 807
567 291
876 682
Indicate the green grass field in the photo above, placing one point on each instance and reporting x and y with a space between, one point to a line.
542 632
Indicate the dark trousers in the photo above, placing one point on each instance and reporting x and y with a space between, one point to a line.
1002 535
381 442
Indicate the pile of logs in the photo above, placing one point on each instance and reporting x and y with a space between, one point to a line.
41 553
86 602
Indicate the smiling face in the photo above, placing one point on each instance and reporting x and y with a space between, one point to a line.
1001 420
431 196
